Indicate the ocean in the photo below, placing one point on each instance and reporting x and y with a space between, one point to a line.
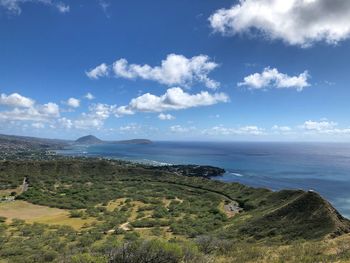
323 167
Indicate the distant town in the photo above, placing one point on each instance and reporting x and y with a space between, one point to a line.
31 148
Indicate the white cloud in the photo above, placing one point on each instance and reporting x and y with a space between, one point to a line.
174 70
136 129
100 71
273 78
45 112
73 102
16 100
319 125
38 125
50 109
14 6
164 117
173 99
324 127
104 5
132 127
87 123
63 8
124 110
337 131
296 22
89 96
245 130
95 118
24 110
102 111
253 130
65 123
281 128
181 129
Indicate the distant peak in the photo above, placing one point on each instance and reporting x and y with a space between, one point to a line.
88 139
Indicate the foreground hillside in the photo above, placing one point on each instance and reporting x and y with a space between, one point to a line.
99 211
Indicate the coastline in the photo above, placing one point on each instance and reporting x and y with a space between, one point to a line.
246 165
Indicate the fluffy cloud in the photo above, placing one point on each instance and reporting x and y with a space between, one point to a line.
63 8
104 5
65 123
132 127
318 125
16 100
14 6
281 128
87 123
89 96
174 70
95 118
73 102
273 78
100 71
124 110
181 129
324 127
173 99
102 111
23 111
37 113
296 22
50 109
165 117
245 130
38 125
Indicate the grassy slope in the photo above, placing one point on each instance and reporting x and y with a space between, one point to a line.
285 226
284 215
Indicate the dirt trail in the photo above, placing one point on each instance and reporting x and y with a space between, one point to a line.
125 226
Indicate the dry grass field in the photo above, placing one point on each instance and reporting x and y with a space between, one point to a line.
9 191
41 214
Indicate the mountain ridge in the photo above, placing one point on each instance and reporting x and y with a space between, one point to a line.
13 143
91 139
88 139
16 142
304 214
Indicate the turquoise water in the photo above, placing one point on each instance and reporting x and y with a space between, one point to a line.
323 167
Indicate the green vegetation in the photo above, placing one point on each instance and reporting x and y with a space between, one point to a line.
122 212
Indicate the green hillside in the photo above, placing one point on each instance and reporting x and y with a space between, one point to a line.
102 204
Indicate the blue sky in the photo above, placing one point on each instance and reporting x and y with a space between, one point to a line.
175 70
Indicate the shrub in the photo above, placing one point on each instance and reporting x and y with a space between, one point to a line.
76 213
147 251
131 236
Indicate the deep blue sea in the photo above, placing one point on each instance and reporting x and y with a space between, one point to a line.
323 167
